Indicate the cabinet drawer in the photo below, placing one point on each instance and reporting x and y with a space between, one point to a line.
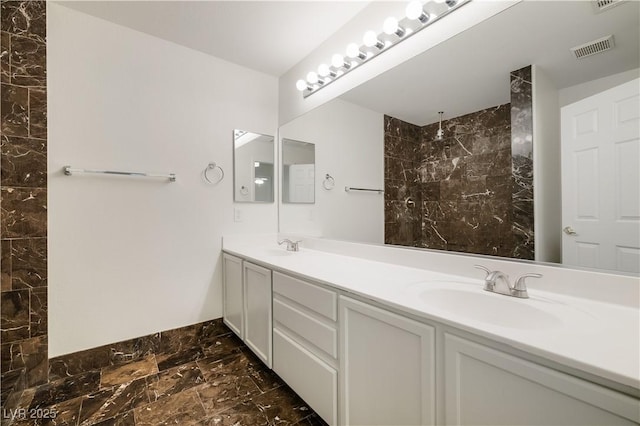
308 376
321 335
320 300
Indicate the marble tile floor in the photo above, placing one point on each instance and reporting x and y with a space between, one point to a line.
220 382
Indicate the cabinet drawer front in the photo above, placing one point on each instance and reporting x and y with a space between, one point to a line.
320 300
321 335
308 376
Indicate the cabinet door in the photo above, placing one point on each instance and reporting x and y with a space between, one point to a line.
387 367
484 386
232 306
257 311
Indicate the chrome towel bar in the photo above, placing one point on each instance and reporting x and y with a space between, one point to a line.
349 189
69 171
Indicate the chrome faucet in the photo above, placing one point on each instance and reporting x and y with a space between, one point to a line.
291 245
519 289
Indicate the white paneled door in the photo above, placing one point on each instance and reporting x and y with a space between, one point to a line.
601 180
301 181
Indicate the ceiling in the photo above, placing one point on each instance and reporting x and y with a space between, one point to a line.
267 36
470 71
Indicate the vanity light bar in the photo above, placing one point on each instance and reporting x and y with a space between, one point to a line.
394 32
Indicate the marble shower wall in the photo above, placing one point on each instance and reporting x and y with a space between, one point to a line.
522 162
471 191
23 186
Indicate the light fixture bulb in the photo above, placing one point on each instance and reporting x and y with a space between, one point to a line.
312 77
391 26
414 10
370 39
337 60
439 1
353 51
323 70
301 85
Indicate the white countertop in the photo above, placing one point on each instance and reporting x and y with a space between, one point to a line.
599 338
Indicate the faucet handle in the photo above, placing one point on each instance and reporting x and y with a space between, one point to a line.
520 287
484 268
520 282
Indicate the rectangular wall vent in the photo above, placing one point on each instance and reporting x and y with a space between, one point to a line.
596 46
602 5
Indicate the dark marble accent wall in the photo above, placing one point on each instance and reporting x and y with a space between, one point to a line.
403 192
522 157
23 192
470 192
461 185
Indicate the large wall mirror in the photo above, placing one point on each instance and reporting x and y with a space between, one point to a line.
253 167
502 172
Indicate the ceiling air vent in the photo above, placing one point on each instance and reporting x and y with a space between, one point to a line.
593 47
602 5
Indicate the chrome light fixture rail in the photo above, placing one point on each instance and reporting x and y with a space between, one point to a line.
393 32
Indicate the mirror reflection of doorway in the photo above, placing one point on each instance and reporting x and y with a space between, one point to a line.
263 181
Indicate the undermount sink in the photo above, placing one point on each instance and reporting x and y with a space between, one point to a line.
473 303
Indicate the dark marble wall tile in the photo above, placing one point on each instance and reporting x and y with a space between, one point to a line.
37 113
463 181
522 163
14 315
5 53
79 362
164 345
38 313
25 18
5 265
23 195
14 107
28 62
24 212
29 263
28 356
24 162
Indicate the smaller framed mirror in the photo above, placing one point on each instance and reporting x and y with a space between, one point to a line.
298 172
253 167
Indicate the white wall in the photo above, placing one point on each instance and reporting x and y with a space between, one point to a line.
291 102
128 256
547 195
349 143
575 93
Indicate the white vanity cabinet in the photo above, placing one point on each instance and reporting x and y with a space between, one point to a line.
247 304
305 342
232 306
487 386
387 367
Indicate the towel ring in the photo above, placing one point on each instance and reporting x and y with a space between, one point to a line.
329 182
213 166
